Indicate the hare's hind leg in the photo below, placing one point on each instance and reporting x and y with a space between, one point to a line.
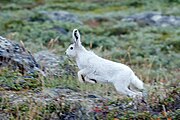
134 89
124 90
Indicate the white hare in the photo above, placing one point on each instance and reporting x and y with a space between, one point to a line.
96 69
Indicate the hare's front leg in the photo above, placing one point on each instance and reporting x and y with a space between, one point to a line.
81 75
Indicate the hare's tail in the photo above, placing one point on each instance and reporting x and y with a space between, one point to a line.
137 83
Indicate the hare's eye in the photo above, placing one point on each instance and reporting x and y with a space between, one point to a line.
71 48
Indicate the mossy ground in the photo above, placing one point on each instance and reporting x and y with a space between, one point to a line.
152 52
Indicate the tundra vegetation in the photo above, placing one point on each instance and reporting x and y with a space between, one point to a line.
152 51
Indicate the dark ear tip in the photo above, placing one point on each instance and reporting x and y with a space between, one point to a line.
75 34
75 30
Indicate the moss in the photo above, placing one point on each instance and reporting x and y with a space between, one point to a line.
12 80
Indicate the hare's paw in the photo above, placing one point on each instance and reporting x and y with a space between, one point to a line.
139 94
90 80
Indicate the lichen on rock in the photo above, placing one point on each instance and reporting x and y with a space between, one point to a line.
53 64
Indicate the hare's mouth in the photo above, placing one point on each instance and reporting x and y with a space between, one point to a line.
68 56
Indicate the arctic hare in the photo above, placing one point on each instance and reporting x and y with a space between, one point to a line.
96 69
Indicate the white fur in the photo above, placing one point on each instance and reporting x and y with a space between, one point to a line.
93 67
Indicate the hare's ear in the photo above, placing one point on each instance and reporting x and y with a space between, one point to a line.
76 37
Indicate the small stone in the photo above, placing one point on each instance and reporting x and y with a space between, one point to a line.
92 96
